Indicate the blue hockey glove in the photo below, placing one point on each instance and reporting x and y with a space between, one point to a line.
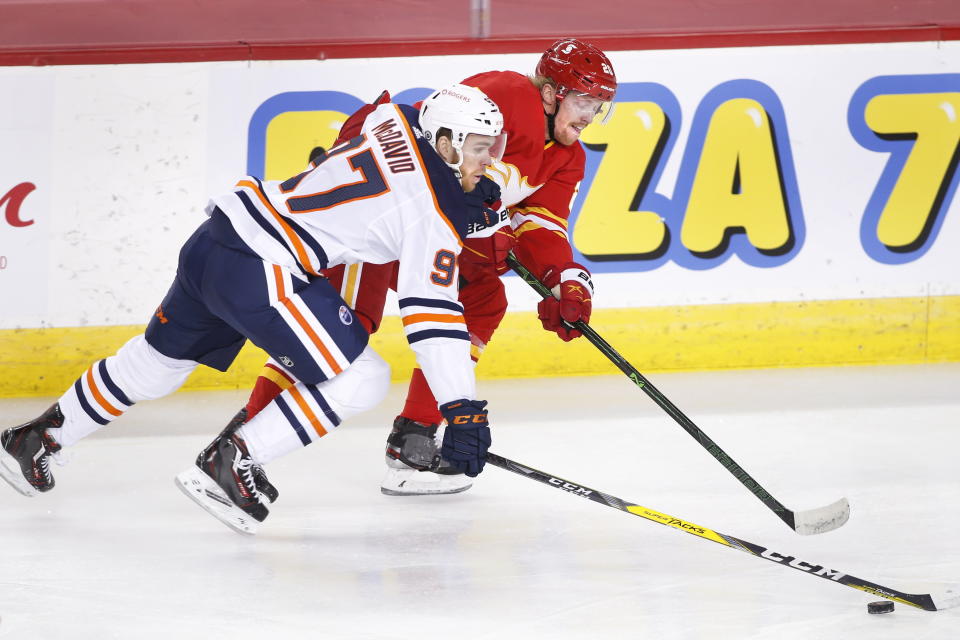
483 204
467 436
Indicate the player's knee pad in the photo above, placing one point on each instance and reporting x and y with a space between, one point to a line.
362 386
143 373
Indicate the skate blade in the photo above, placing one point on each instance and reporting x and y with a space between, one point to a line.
10 471
200 488
410 482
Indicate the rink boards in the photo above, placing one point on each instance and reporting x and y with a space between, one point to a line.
775 206
782 334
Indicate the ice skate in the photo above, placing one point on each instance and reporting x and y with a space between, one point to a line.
414 466
223 483
259 475
25 453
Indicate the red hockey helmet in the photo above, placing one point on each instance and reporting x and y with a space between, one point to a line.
577 66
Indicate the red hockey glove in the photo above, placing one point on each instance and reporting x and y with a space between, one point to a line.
490 251
572 299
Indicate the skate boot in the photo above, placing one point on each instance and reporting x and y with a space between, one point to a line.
222 482
259 475
25 453
414 465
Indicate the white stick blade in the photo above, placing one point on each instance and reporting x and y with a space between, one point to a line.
828 518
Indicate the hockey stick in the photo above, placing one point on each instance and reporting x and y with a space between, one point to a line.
928 602
807 522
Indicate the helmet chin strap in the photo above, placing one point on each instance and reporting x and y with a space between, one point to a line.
552 117
456 167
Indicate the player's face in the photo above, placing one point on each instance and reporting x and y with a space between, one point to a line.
477 157
575 113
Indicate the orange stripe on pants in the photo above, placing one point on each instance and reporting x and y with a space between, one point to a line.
285 301
313 335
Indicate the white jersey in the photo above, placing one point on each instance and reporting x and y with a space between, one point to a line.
382 196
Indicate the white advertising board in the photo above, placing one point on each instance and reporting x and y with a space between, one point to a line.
723 175
26 188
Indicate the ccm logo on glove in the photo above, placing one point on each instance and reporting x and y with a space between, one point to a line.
467 436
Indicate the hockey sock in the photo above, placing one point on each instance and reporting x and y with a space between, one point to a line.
421 406
285 424
92 402
271 382
304 413
111 386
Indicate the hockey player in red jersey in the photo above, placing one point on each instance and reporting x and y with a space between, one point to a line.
396 192
538 177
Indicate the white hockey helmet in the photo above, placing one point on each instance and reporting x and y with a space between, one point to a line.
463 110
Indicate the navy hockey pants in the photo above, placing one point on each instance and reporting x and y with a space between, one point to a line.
224 294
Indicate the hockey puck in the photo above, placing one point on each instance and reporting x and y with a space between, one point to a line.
880 606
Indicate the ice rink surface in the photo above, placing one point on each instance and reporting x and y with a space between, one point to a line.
116 551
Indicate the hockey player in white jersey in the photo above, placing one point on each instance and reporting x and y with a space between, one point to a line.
252 271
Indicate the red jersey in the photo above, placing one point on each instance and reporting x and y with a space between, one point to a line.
538 179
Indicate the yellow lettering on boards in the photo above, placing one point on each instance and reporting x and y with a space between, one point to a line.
606 225
934 120
737 182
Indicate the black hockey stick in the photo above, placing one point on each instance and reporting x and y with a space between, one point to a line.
949 598
807 522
